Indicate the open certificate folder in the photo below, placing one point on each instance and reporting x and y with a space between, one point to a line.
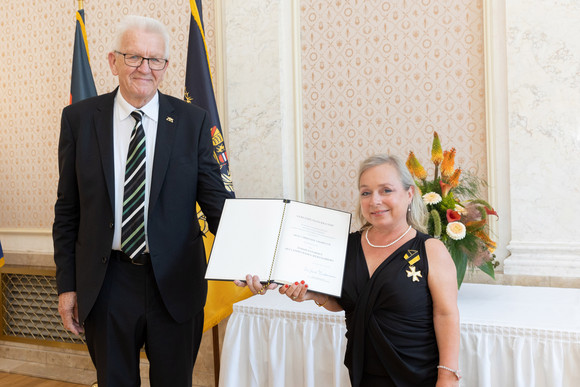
281 241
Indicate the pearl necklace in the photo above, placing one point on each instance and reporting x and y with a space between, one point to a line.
390 244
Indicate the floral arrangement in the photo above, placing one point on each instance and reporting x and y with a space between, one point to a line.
456 215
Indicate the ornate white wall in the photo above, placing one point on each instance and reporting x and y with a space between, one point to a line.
269 74
543 56
260 116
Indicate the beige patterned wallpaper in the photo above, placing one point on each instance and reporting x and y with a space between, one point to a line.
36 49
378 76
381 76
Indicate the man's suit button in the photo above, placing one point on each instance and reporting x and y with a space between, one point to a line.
111 225
104 259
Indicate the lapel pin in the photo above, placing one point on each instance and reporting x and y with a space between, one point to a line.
170 119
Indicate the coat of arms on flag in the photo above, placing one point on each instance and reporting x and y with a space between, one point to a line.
199 90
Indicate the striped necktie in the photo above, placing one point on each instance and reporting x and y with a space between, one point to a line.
133 228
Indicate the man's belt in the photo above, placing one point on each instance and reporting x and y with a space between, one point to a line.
139 260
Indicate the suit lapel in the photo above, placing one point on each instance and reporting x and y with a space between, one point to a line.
166 130
103 127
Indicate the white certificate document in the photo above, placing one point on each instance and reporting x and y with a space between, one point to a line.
281 241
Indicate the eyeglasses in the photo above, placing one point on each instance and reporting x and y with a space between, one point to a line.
133 60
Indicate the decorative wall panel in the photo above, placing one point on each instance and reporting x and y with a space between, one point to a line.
380 77
37 47
29 309
544 77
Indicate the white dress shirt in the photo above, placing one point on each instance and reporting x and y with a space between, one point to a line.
123 124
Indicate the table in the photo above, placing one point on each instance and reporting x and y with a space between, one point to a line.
271 340
510 336
519 336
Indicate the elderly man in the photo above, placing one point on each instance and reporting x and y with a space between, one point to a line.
127 245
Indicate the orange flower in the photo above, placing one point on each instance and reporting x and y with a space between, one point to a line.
491 245
436 151
415 167
448 163
456 208
475 225
445 188
454 180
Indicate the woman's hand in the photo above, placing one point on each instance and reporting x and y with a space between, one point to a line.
253 283
297 291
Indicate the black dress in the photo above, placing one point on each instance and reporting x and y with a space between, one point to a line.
389 317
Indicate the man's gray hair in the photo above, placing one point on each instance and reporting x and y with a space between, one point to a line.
140 23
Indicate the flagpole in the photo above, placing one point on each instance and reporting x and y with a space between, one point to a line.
80 4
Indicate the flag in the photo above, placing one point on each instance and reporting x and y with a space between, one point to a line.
199 90
82 84
1 255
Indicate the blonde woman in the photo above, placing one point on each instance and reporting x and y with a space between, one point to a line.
399 290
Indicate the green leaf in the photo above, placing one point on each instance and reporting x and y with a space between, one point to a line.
481 202
460 259
488 269
448 202
470 185
431 186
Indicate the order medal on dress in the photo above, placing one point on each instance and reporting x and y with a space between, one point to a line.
412 257
414 273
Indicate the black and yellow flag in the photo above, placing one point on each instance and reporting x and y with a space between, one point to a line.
82 84
199 90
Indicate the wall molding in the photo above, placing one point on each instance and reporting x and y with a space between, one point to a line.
290 70
26 240
297 94
496 120
543 258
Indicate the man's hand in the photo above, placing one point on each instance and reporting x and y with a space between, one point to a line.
253 283
68 310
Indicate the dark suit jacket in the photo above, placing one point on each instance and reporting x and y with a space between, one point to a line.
184 172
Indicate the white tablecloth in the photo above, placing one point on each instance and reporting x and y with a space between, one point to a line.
519 336
510 336
273 341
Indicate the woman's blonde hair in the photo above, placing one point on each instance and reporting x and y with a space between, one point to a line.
417 212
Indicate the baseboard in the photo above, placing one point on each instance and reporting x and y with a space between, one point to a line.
546 259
